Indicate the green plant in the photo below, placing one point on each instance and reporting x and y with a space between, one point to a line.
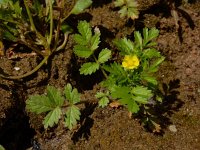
103 98
87 45
133 83
56 106
38 25
127 8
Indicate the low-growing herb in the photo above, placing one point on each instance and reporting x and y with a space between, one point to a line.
87 44
128 8
103 98
56 106
133 81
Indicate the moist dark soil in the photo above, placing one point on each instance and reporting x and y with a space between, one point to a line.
112 128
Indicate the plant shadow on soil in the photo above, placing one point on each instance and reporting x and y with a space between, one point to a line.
16 133
100 3
86 123
160 113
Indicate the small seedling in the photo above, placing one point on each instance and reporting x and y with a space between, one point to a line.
56 106
103 98
128 8
87 44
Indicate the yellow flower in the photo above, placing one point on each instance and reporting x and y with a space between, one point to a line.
130 62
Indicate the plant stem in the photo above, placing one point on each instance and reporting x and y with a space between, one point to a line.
64 42
28 73
51 22
57 34
82 102
30 45
11 21
33 26
102 70
104 73
30 16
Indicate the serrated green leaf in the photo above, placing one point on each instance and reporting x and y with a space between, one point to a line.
132 3
95 40
150 79
153 33
72 95
55 96
150 53
151 44
80 40
68 91
104 55
52 118
126 100
109 83
149 35
121 92
72 116
103 102
154 66
138 39
114 68
100 94
85 30
145 35
141 100
130 104
158 61
107 67
80 6
123 11
76 96
39 104
117 73
127 8
89 68
142 92
133 107
82 51
133 13
119 3
125 45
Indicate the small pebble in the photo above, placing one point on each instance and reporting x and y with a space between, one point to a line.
17 68
198 90
172 128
